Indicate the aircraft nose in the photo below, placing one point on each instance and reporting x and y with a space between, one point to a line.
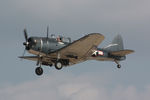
25 43
28 44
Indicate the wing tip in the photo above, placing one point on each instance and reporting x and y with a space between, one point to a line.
131 51
101 35
122 52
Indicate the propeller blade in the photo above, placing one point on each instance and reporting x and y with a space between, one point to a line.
25 35
23 54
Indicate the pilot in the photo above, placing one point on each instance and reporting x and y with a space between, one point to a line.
59 39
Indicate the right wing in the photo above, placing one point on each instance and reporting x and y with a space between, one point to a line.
80 48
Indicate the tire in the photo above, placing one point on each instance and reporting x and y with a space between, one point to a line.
50 65
118 66
39 71
58 65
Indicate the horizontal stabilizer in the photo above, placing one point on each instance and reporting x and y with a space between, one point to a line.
121 52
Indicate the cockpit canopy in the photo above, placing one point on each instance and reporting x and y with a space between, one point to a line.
64 39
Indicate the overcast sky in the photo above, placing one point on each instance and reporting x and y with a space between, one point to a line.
91 80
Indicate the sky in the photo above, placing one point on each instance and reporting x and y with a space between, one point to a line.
75 18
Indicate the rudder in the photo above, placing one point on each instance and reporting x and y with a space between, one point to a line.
116 44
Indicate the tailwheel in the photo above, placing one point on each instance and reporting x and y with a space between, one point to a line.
39 71
58 65
118 66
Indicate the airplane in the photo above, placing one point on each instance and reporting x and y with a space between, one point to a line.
62 52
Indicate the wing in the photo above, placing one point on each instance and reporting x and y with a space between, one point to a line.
79 49
35 58
122 52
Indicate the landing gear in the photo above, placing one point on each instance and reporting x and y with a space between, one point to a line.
50 65
39 71
58 65
118 65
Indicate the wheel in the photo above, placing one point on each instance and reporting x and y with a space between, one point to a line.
39 71
118 66
50 65
58 65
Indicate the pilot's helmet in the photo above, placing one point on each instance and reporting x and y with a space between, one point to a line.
52 35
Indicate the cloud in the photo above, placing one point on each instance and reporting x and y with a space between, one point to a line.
95 15
71 87
94 10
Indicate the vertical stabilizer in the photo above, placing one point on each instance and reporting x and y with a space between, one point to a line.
116 45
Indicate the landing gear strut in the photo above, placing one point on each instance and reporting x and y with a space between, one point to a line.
39 70
118 65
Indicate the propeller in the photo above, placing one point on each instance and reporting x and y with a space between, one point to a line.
25 43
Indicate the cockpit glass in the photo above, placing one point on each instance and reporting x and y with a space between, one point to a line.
52 35
67 40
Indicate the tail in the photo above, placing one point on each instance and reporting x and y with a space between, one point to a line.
117 48
116 44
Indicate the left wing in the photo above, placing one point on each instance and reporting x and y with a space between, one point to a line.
122 52
79 49
36 58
